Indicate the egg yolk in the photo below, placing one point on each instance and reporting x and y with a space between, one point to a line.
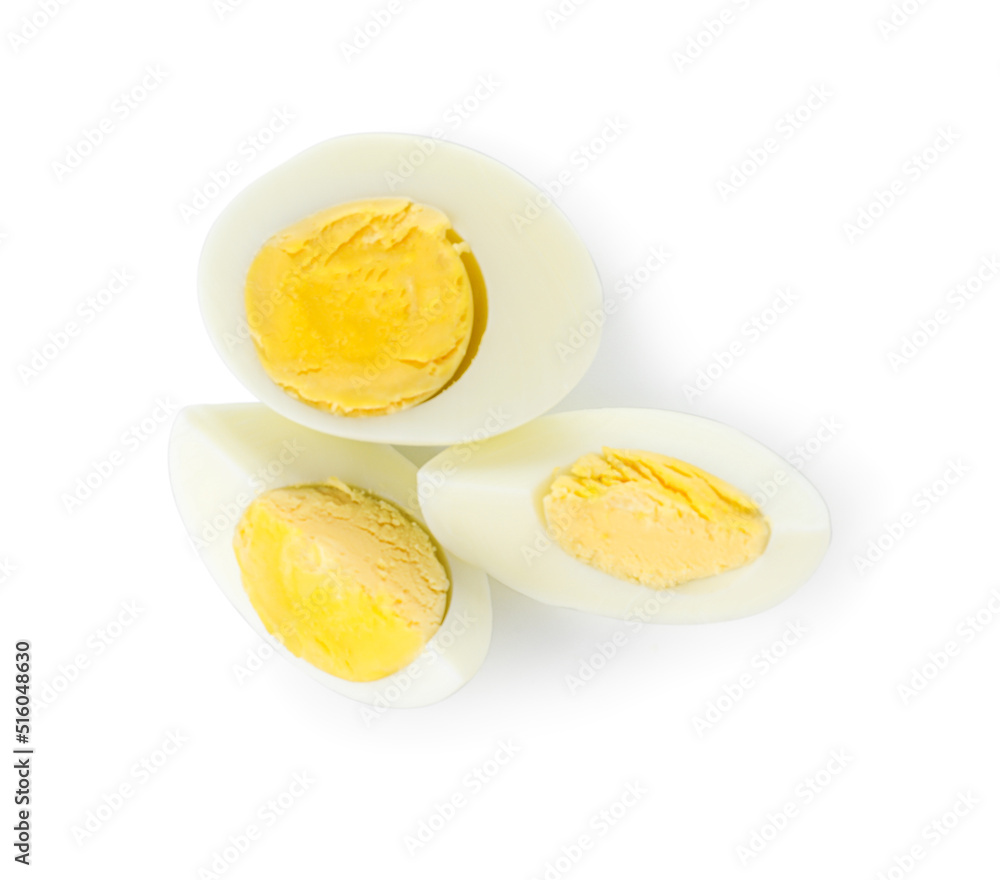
651 519
362 309
345 579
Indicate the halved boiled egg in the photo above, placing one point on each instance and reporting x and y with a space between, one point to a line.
400 289
501 504
226 460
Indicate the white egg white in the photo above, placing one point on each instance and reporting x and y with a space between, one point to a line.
483 502
542 287
221 457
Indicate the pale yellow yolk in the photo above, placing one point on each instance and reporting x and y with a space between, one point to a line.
362 309
652 520
343 578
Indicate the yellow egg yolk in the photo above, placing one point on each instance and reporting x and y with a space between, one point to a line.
362 309
345 579
653 520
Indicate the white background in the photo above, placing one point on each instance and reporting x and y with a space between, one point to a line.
898 426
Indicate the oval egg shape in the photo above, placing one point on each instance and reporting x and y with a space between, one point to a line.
222 456
540 285
483 501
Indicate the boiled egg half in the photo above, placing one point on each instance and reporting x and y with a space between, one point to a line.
486 502
224 457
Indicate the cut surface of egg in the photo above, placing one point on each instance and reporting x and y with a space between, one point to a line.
532 338
652 519
343 577
366 308
485 502
223 457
